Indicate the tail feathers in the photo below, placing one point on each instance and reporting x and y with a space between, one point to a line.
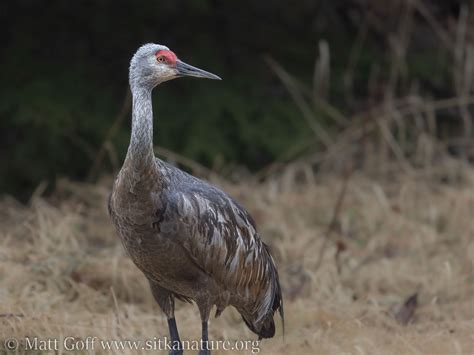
267 330
282 317
278 305
263 323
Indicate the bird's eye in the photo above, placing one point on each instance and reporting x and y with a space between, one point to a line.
161 59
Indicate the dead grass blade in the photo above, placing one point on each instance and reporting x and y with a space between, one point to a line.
106 144
320 132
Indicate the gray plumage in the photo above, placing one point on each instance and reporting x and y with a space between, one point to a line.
191 240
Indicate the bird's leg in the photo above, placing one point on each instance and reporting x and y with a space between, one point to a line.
165 300
205 346
177 348
204 310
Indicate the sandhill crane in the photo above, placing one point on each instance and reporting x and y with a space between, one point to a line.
191 240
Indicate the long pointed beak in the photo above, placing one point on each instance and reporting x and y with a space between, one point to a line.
188 70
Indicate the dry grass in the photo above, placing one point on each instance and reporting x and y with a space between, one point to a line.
64 272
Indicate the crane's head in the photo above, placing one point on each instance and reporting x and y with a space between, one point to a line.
153 64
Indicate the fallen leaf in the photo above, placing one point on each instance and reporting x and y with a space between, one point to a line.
407 310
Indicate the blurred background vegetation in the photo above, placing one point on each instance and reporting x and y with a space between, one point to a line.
298 78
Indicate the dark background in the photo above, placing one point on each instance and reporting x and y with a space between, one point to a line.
64 67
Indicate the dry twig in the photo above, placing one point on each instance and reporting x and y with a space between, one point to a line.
333 223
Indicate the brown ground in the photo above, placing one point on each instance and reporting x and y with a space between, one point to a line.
63 271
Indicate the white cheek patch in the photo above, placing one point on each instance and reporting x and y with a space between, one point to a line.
164 72
160 72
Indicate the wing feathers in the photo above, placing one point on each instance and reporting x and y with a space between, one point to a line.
221 237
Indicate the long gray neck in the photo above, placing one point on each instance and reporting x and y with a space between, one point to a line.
140 151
